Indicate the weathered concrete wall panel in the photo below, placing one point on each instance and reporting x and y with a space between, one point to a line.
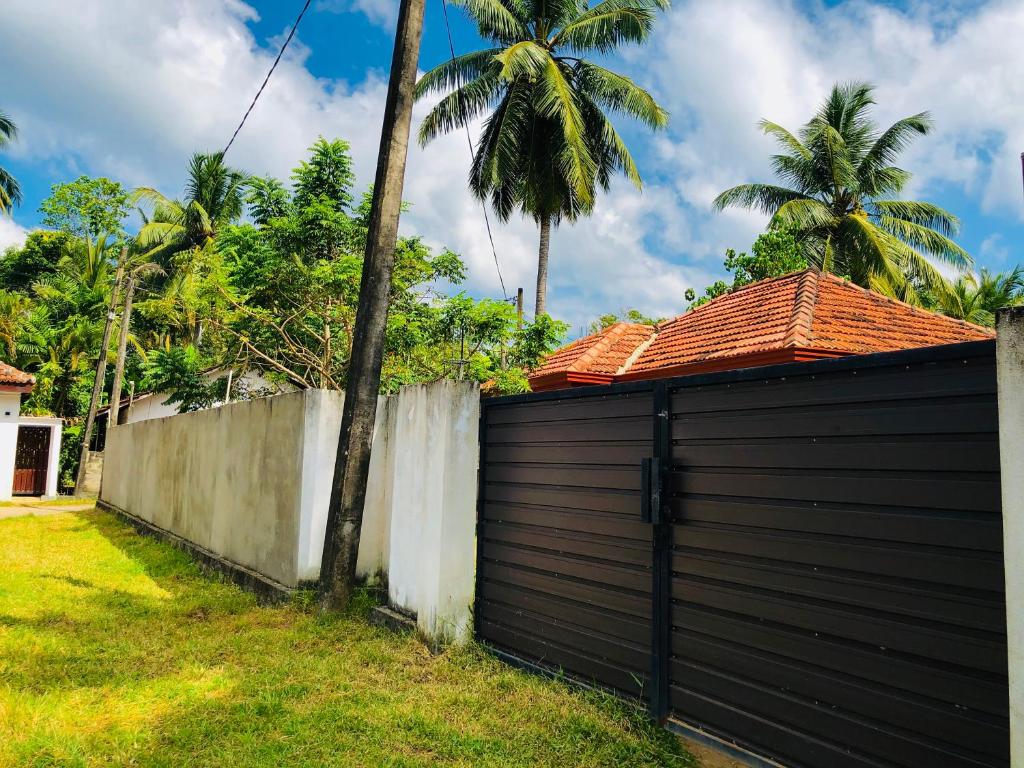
251 483
1010 378
228 479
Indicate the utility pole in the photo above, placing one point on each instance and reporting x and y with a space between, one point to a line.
519 308
352 465
101 368
122 350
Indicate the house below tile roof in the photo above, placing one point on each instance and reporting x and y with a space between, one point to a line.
794 318
13 379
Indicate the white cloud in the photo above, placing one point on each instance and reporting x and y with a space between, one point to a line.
11 233
722 66
994 249
383 13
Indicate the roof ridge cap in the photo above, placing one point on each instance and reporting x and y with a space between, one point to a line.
798 332
734 292
640 349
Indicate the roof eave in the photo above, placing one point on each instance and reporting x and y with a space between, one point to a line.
733 362
566 379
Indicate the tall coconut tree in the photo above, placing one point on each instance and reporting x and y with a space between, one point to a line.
547 143
10 190
214 197
839 196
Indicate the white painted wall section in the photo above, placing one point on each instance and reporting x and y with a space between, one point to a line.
251 483
433 507
10 406
1010 381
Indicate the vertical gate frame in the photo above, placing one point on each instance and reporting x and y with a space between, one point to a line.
481 481
661 557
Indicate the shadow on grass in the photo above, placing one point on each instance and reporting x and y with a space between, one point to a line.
127 653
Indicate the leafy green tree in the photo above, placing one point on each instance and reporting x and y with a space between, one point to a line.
774 253
267 199
86 207
547 144
10 190
15 311
977 298
841 200
326 176
181 371
37 258
628 316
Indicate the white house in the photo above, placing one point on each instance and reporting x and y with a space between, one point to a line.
153 405
29 445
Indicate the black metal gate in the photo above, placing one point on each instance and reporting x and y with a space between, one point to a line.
808 563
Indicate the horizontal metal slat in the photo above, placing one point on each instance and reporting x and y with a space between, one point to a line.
970 649
881 704
954 685
956 567
636 578
880 741
602 597
929 490
950 528
614 624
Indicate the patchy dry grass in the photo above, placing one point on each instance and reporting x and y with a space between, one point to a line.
116 650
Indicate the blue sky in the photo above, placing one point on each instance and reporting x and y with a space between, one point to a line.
129 90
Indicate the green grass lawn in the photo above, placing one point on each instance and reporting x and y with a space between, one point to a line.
116 650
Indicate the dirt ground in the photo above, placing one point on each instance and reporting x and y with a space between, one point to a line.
708 757
21 507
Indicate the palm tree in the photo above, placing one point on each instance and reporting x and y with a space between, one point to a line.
15 311
976 299
842 202
547 143
214 197
10 190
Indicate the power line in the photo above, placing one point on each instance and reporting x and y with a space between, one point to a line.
273 66
469 142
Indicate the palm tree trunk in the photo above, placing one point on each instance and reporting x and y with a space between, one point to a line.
122 349
542 267
97 386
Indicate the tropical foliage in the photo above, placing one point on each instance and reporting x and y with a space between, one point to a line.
547 144
977 298
839 197
774 253
275 295
10 190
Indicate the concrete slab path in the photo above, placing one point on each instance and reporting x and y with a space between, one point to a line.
39 508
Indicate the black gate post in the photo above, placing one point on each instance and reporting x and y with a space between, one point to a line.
661 561
481 479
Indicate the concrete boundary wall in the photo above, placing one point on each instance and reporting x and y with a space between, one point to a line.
1010 381
250 482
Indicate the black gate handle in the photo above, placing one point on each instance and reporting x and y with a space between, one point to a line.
650 491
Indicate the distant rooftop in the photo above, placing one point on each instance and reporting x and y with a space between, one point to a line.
12 377
797 317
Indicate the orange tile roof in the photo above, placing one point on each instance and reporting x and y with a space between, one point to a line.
10 375
800 316
593 359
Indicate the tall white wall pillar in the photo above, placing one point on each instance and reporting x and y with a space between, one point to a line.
1010 379
10 405
432 558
